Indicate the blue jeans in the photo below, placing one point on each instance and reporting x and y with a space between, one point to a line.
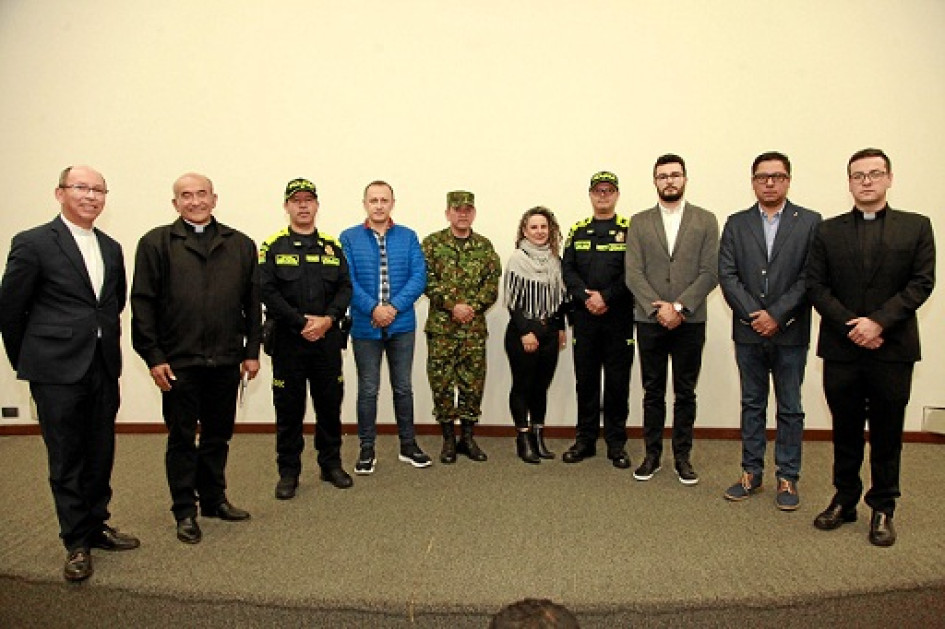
367 358
785 365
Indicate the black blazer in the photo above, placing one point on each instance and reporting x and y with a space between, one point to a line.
899 281
49 316
751 282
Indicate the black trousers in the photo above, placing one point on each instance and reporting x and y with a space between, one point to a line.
78 426
603 343
317 365
657 345
196 471
860 393
532 374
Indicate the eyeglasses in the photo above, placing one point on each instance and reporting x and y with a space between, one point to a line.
872 175
666 177
83 189
775 177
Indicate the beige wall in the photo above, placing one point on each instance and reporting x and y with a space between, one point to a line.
518 101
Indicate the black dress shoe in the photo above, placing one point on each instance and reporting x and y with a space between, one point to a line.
578 452
882 532
285 488
226 511
111 539
619 458
833 517
337 477
188 531
78 565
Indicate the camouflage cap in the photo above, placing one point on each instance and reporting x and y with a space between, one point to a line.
604 176
457 198
299 185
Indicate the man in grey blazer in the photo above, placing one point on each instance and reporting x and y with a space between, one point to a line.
63 290
671 267
762 262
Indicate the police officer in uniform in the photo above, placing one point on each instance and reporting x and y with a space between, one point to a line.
305 287
593 268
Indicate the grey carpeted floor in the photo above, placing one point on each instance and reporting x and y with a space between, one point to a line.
449 545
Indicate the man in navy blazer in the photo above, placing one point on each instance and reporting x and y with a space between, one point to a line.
62 293
869 271
762 261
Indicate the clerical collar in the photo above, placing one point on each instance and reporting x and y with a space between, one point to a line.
76 228
198 228
872 216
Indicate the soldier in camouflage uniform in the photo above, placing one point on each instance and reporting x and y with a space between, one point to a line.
462 283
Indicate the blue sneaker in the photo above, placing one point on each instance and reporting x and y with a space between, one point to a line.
744 488
787 498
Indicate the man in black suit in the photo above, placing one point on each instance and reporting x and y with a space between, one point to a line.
762 261
196 322
62 293
869 271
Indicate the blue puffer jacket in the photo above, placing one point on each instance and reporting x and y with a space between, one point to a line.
408 277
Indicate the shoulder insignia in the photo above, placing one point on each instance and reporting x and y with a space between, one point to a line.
276 236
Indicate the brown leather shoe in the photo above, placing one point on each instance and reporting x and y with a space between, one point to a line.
882 532
833 517
78 565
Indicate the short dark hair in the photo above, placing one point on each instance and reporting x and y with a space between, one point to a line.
669 158
378 182
769 156
533 613
864 153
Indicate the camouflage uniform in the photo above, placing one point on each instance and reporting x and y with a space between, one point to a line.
458 271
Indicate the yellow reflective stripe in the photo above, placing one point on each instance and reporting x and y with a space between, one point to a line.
582 245
287 259
312 257
616 246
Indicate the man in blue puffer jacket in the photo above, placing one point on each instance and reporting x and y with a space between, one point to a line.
388 275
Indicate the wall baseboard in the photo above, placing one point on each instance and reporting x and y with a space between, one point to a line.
553 432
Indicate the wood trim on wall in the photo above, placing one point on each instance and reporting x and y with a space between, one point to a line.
553 432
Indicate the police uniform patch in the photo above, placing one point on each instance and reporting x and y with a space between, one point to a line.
287 259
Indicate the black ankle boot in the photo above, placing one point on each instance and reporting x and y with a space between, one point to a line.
538 434
525 448
448 453
467 445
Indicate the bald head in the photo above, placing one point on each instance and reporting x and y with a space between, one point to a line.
81 194
191 178
194 198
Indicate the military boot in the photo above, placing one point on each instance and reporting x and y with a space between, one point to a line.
538 434
448 453
467 445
